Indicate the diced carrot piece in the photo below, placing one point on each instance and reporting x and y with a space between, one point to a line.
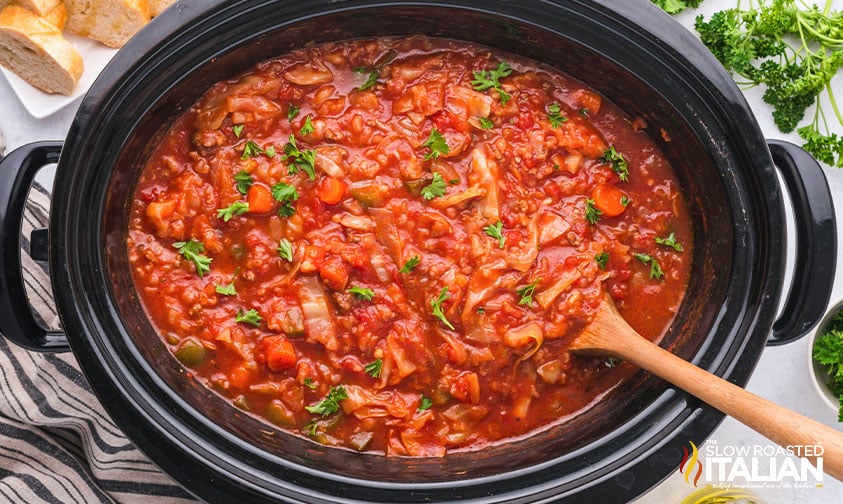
609 200
279 353
334 272
312 258
260 199
331 191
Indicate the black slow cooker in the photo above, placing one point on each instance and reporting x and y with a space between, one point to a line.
630 51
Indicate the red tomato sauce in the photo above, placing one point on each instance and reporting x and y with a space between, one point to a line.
389 244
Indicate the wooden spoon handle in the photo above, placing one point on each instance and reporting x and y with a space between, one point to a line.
779 424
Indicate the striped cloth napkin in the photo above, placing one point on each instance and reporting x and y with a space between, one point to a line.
57 444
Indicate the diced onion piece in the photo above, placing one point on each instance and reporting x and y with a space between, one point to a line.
309 74
454 199
552 227
380 264
488 180
551 372
364 403
356 222
478 104
521 406
529 334
328 165
522 259
547 296
318 320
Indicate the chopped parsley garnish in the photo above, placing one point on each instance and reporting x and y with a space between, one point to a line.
292 112
229 289
554 115
237 129
236 208
374 368
283 191
676 6
655 268
670 241
486 123
592 213
625 201
602 260
371 80
584 112
308 382
496 231
285 194
362 293
250 150
285 250
331 403
248 317
618 163
410 265
437 145
828 351
436 188
425 404
307 127
269 151
488 79
192 251
244 181
312 427
526 293
300 160
436 304
286 209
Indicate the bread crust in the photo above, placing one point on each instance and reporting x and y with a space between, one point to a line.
111 22
40 7
36 50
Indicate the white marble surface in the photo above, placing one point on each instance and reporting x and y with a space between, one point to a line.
782 374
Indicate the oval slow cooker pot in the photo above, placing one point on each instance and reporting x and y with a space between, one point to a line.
629 51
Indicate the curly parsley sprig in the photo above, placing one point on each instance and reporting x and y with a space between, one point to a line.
490 79
757 44
192 250
676 6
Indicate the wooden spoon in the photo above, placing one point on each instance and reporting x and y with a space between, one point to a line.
610 335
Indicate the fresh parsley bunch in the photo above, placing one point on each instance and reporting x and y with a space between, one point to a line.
828 351
676 6
794 52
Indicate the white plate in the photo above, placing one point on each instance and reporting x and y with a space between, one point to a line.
40 104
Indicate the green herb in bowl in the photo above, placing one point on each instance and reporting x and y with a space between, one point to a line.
828 351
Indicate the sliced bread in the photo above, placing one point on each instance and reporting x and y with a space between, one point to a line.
36 50
57 16
112 22
51 10
156 7
40 7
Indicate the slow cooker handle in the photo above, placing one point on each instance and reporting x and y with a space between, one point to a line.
816 242
17 173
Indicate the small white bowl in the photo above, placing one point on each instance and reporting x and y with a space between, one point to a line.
819 377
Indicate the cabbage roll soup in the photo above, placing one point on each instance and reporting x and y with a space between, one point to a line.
388 245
